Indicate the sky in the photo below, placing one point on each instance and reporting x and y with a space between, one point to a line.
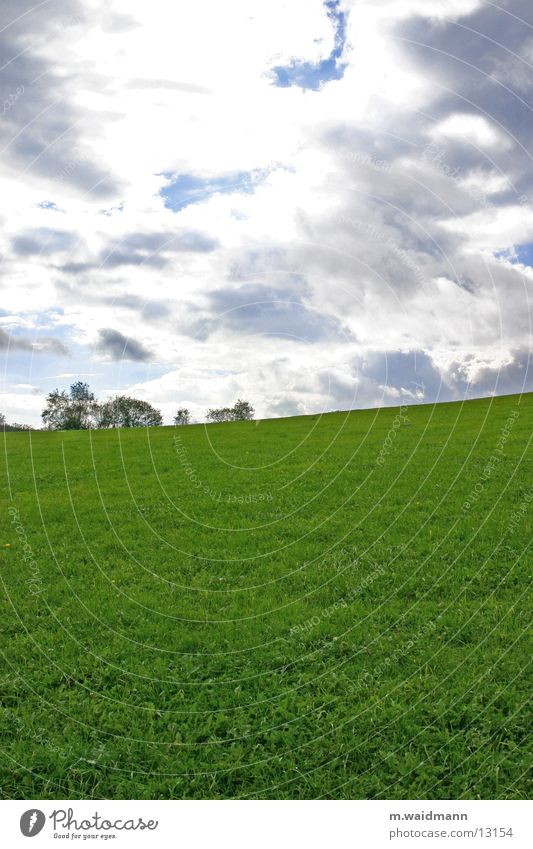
311 205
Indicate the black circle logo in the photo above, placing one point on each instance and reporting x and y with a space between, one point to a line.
32 822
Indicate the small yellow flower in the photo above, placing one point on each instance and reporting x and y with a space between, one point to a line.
7 545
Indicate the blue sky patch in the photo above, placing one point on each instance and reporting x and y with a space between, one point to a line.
185 189
49 204
313 75
518 254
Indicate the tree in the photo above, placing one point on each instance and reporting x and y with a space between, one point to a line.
2 420
80 391
83 406
122 411
241 411
182 417
75 410
222 415
55 413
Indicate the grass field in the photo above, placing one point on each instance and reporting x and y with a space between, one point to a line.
326 606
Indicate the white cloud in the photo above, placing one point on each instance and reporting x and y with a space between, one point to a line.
470 129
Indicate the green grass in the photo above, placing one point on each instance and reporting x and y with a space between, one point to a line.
266 611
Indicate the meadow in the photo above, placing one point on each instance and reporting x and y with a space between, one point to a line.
331 606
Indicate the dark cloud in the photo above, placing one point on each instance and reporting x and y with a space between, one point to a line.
480 65
155 249
90 294
41 130
116 346
77 267
390 378
407 373
385 378
43 242
344 393
269 311
38 345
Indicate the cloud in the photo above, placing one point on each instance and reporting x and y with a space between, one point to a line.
256 309
511 373
467 63
43 129
170 85
470 129
405 375
145 250
114 345
43 242
77 267
149 309
154 249
38 345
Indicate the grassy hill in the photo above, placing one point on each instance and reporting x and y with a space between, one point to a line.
326 606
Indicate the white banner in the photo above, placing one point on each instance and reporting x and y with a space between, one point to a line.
262 824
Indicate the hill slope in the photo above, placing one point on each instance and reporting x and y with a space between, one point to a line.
321 606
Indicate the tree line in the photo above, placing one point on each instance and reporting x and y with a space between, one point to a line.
4 425
78 409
